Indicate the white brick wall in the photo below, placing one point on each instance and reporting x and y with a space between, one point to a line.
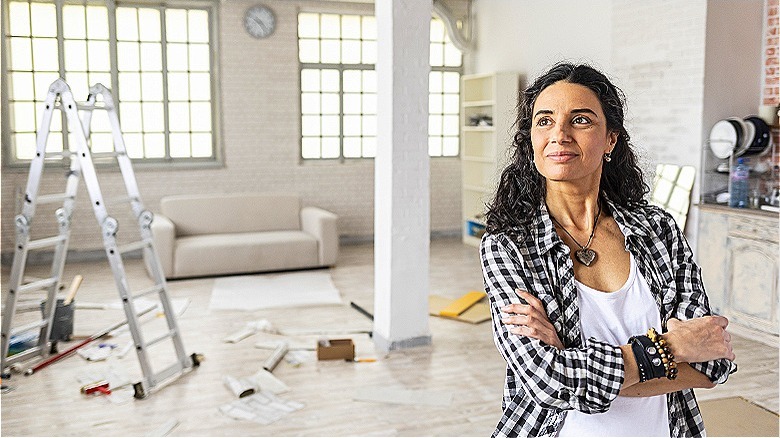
260 129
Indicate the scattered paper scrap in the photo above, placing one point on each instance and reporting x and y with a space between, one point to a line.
268 382
262 407
250 329
403 396
477 313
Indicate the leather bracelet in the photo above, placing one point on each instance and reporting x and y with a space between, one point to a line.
648 358
667 358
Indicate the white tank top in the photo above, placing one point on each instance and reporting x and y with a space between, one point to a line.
614 317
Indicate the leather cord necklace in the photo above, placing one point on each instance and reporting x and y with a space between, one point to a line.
584 255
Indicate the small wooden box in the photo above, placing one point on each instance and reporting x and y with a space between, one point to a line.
338 349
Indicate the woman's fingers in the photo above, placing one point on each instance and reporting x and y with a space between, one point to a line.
532 301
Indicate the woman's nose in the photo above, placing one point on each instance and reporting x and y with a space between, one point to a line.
560 133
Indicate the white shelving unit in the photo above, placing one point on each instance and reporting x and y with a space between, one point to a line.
484 147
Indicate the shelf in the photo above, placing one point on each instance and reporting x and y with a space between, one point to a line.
478 103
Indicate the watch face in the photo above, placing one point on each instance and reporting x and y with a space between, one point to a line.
259 21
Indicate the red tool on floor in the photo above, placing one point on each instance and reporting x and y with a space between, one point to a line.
96 387
72 349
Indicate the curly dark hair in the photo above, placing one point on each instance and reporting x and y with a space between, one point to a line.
521 189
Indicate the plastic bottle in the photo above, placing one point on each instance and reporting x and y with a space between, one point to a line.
739 187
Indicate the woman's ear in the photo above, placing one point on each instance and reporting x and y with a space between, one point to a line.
613 138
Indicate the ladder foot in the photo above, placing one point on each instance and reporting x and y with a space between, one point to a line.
197 358
53 349
139 390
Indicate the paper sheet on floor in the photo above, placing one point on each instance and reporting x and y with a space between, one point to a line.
263 407
403 396
267 291
250 329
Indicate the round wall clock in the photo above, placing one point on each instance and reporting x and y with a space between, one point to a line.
259 21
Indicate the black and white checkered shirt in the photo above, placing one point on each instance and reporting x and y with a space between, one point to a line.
542 382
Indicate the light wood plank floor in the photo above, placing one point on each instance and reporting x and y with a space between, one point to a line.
462 361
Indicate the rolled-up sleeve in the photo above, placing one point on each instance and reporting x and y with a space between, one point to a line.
586 379
693 302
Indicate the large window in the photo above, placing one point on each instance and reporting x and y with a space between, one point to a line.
338 54
156 59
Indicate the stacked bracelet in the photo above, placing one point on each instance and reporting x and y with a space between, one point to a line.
653 357
667 358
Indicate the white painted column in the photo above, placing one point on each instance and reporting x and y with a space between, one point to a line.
402 175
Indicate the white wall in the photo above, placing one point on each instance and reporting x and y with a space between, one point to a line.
528 36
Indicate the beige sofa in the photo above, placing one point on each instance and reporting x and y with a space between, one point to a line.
216 234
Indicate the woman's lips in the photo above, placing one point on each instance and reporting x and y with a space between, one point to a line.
562 157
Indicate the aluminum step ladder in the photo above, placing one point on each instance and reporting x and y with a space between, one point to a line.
81 164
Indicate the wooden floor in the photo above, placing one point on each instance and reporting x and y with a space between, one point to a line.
462 362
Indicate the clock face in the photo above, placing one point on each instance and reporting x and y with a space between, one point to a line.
259 21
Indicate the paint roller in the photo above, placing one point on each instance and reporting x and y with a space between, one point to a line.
276 357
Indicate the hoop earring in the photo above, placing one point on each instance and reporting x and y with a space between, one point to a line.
608 156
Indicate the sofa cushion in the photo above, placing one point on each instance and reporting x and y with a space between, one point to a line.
244 252
232 213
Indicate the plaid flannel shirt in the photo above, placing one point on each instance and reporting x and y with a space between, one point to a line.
542 382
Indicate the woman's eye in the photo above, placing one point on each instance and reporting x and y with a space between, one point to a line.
544 121
580 120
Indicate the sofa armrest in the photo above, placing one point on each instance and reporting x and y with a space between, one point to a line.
322 225
164 238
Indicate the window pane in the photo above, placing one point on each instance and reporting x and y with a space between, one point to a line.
176 25
352 147
451 104
201 145
179 116
21 54
101 142
200 113
99 56
369 147
352 81
45 54
130 117
198 26
310 103
79 84
23 116
310 147
310 80
352 125
369 81
152 87
350 52
330 51
434 104
24 145
451 146
74 24
450 125
330 125
152 114
350 27
97 22
178 86
151 56
330 103
451 82
127 56
308 25
437 31
369 27
126 24
369 125
54 143
149 24
309 50
200 86
134 145
434 146
154 145
102 78
42 83
329 26
434 124
436 55
310 125
199 57
22 86
434 82
44 19
177 57
452 56
330 147
351 103
369 103
330 80
19 13
75 55
369 52
130 86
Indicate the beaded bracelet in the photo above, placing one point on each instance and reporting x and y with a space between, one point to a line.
667 358
648 359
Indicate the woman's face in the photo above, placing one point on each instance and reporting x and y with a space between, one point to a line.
569 134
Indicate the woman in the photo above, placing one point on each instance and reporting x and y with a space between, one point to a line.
579 269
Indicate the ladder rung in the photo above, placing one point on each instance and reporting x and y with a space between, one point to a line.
50 199
167 335
147 291
60 154
27 327
87 107
141 244
26 306
99 155
43 243
37 285
119 201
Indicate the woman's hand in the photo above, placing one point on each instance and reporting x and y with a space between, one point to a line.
531 320
699 339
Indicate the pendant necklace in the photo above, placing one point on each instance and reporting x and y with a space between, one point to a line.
584 255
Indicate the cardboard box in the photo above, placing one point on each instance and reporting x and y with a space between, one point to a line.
337 349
